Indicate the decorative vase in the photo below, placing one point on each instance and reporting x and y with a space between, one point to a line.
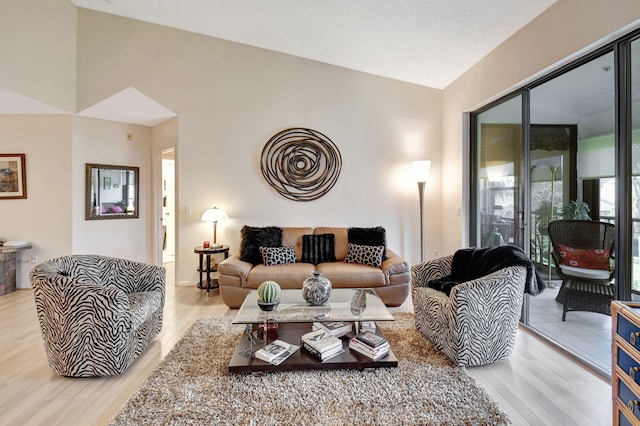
316 289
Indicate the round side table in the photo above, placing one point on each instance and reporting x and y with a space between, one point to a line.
204 265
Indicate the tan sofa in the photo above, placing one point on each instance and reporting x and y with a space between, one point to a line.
391 281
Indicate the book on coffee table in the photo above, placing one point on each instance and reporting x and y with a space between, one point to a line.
321 340
371 339
323 356
322 344
373 353
336 328
276 352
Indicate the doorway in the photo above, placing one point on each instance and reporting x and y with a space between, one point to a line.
168 239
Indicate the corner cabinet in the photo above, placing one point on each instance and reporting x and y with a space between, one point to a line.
625 356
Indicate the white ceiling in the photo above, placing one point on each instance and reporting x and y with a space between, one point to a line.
426 42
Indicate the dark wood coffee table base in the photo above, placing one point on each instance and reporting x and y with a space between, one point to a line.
302 359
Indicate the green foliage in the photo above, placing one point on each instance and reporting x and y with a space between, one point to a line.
544 214
576 210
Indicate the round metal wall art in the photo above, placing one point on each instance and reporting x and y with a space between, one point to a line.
301 164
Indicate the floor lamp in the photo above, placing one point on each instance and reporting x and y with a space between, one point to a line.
421 173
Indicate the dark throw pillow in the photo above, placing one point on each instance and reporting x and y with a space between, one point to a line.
376 236
278 255
318 248
365 255
255 237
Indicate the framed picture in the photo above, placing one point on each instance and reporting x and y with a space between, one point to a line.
13 176
106 183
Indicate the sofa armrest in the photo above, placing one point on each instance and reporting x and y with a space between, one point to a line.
422 273
394 264
235 267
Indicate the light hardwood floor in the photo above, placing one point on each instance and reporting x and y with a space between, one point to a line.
536 386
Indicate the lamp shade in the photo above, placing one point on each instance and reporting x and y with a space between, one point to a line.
213 215
421 170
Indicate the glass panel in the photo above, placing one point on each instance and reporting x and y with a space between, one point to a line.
343 305
498 164
635 162
572 158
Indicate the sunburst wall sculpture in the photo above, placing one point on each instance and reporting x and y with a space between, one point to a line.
301 164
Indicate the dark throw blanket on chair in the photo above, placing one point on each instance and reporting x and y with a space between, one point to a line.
471 263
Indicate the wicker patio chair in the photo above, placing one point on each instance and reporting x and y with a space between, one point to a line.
583 289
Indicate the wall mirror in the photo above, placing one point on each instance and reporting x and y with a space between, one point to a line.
111 192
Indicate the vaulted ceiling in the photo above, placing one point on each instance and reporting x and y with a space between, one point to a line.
425 42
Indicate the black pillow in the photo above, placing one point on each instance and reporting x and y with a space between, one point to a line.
318 248
255 237
376 236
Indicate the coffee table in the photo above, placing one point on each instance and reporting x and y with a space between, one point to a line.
294 317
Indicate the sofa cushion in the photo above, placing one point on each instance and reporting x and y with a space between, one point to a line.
289 275
365 255
352 275
375 236
341 236
278 255
292 236
255 237
318 248
591 274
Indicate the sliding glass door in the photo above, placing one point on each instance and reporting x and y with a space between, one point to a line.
572 158
498 183
573 135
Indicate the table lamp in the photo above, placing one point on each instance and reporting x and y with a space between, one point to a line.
214 215
421 174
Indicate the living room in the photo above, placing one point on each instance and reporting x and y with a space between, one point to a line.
228 100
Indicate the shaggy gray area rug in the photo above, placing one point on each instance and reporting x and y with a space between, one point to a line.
191 386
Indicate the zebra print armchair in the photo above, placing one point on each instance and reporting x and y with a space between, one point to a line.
477 323
97 314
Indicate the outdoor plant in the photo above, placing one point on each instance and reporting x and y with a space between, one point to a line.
545 213
576 210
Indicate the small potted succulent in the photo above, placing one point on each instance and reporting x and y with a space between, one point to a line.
268 295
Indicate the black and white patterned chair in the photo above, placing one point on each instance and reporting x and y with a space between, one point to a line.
97 314
477 323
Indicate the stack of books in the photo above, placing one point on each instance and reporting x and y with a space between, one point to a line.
336 328
370 345
322 344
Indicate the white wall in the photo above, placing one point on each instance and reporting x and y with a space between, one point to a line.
44 217
565 31
38 50
232 98
105 142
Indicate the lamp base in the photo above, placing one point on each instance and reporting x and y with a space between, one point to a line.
215 246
